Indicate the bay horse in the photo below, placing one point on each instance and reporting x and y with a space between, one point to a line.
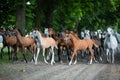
110 44
44 43
9 40
61 43
80 45
25 42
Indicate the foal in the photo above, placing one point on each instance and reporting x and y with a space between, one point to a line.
44 43
80 45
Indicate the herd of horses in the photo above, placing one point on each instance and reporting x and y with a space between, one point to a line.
96 44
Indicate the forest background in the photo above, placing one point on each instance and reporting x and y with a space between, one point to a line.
60 14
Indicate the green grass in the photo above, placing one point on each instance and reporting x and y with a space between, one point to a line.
5 58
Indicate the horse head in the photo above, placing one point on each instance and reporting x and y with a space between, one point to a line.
110 31
16 31
35 34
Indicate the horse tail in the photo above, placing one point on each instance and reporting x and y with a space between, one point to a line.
56 43
94 43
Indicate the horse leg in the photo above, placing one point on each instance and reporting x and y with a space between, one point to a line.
72 57
100 54
1 53
15 53
113 56
44 56
9 52
52 51
32 50
59 53
49 54
68 54
75 58
36 57
107 53
92 56
24 53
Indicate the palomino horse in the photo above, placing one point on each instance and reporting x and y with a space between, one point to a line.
80 45
25 42
61 43
110 44
44 42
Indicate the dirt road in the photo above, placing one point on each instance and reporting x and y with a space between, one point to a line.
42 71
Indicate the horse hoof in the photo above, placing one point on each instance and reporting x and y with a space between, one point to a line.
61 62
96 62
35 63
52 63
90 63
75 62
70 64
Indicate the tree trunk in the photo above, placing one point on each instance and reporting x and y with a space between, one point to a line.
20 18
37 13
49 12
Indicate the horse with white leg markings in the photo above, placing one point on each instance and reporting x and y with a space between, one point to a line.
80 45
44 42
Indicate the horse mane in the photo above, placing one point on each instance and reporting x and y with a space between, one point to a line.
75 35
20 32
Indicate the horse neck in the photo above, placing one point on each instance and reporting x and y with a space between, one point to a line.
53 35
74 38
19 37
40 38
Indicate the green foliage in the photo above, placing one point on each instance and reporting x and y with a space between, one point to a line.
61 14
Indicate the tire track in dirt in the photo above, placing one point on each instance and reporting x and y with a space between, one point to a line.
70 73
65 72
90 72
39 74
111 72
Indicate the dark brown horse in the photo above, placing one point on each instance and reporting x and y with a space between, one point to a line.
25 42
80 45
61 44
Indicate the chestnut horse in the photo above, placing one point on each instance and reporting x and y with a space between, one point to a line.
44 43
25 42
80 45
61 44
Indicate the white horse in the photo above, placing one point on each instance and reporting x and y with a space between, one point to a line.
44 42
110 44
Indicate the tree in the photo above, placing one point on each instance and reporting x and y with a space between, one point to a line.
20 15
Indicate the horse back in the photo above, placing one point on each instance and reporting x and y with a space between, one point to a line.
27 41
48 41
12 40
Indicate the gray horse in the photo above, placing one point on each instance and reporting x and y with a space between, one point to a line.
110 44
